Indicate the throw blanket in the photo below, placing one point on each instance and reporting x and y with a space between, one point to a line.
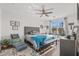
39 39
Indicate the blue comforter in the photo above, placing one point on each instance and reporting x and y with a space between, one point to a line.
41 39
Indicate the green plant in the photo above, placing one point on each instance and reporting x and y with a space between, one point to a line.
5 42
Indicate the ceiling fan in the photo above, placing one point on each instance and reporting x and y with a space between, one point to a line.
44 12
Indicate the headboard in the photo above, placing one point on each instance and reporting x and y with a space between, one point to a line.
28 30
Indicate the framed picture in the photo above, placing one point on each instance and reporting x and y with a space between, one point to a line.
12 23
17 23
14 27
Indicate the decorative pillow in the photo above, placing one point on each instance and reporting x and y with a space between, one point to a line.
14 36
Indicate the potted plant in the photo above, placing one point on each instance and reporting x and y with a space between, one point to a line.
5 43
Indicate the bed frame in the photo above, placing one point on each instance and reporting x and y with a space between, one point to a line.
27 30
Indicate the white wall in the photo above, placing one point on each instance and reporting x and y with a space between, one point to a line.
6 28
72 19
24 21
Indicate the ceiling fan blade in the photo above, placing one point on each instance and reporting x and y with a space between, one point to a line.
46 15
38 13
49 9
37 10
41 15
49 12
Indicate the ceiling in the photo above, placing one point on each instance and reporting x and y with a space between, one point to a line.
26 9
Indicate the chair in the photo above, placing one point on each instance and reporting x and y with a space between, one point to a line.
14 36
17 42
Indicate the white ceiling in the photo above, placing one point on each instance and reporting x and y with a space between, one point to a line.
60 9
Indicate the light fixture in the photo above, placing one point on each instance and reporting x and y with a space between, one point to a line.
44 12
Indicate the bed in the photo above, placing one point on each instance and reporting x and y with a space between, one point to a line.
38 40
